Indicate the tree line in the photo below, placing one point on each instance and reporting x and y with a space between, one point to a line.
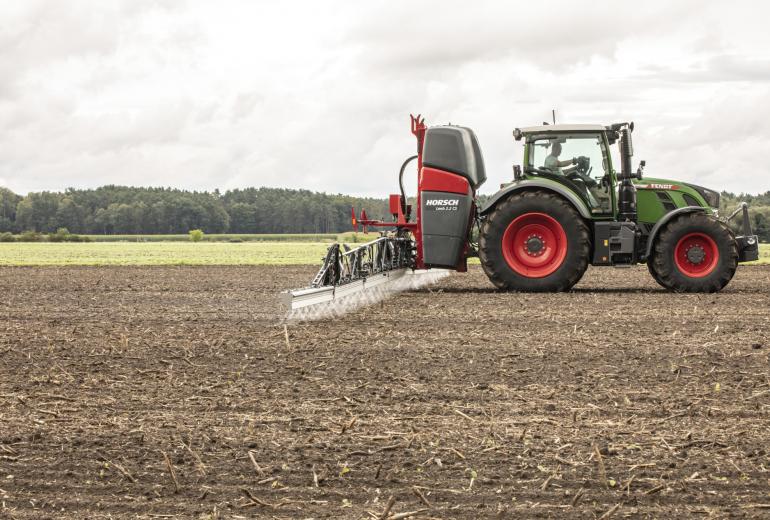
128 210
759 211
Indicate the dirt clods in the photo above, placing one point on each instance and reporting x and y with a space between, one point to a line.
176 392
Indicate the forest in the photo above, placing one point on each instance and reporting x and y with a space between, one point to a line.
131 210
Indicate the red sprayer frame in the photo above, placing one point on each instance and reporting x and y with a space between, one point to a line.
427 179
400 220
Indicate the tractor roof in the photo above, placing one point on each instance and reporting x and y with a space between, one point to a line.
561 128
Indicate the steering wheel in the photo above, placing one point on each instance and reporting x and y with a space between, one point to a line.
583 165
583 176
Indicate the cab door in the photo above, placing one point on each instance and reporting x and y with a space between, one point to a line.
582 159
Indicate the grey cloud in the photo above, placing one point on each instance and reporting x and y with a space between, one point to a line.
195 94
551 35
41 35
118 132
720 68
48 33
244 105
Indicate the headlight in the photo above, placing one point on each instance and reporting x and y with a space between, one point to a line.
711 197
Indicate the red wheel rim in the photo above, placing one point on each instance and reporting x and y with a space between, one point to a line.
534 245
696 255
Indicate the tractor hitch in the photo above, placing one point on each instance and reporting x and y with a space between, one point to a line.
748 242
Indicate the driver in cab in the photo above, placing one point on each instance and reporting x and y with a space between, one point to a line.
553 163
597 197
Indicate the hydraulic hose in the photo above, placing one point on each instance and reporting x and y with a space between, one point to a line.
401 183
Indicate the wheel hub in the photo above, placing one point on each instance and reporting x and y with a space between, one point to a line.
696 254
535 245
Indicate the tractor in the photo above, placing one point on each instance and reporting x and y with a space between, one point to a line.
565 208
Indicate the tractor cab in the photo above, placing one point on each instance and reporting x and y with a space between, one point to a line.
576 156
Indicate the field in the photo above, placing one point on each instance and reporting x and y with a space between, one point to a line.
175 392
288 252
213 237
161 253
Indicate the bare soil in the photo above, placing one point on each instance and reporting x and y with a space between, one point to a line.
174 392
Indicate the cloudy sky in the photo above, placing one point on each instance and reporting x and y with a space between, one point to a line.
317 94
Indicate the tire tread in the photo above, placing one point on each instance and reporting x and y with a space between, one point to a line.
664 271
495 266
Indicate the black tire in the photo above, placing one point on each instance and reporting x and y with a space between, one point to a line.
654 274
672 273
578 243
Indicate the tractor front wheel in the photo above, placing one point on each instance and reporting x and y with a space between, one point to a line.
694 253
534 241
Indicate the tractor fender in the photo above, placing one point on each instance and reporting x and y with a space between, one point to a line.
665 220
529 184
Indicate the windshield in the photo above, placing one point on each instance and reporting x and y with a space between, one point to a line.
556 153
581 158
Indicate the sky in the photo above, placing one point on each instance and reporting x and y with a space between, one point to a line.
317 94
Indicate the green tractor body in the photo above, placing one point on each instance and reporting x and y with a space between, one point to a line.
568 206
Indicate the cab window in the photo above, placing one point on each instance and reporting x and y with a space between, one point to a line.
582 158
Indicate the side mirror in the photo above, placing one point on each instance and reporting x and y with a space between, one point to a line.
517 171
639 170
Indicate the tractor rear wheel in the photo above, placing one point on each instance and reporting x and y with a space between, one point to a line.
534 241
694 253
